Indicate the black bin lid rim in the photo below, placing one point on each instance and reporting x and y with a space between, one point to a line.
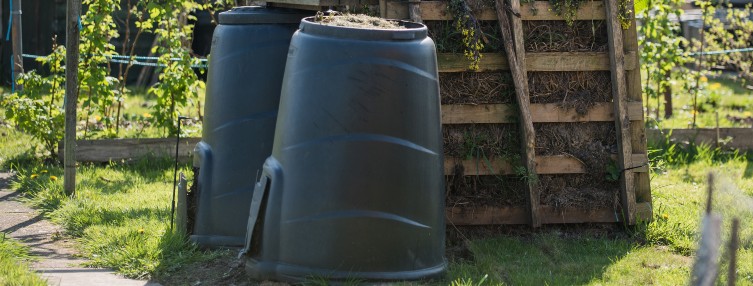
262 15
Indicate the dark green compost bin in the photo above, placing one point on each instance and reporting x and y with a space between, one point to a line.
249 49
354 188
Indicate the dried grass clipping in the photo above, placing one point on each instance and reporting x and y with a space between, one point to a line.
557 36
476 88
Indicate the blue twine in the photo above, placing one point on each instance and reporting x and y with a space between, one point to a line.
743 50
127 60
10 20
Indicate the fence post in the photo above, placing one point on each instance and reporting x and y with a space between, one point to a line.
71 95
16 39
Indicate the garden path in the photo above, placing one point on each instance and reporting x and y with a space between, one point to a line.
56 258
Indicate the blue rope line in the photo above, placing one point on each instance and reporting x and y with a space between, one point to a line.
116 59
743 50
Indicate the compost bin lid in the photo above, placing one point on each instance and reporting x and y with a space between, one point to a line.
261 15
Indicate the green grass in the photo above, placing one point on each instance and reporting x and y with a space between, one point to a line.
136 112
120 213
13 268
721 95
659 252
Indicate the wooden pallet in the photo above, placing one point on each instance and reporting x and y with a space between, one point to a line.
625 111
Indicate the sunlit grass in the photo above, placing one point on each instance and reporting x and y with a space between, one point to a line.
657 253
13 264
722 96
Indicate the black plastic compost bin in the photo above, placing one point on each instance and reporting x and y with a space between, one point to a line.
246 67
354 188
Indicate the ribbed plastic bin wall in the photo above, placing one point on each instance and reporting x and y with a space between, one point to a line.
246 67
354 186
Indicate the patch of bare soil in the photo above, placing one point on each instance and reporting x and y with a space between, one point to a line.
226 269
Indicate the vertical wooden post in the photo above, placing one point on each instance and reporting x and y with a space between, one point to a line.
414 10
181 217
383 8
638 128
515 51
734 242
668 112
622 121
71 95
17 40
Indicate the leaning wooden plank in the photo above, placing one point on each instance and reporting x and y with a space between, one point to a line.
536 11
485 215
127 149
549 61
622 122
520 79
540 113
545 165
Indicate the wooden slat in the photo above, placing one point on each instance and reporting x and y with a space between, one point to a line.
437 10
622 122
458 215
545 165
127 149
551 61
540 113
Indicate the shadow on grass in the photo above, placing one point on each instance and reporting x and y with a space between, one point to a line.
748 173
81 215
553 255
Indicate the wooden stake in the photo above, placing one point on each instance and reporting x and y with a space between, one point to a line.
706 266
71 95
710 198
622 121
734 242
717 130
414 10
17 40
181 217
520 78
